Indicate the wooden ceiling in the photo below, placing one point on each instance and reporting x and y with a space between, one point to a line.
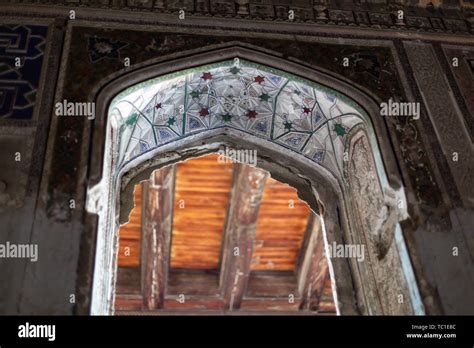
201 198
203 188
280 228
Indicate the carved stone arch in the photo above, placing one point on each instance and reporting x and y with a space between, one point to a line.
109 87
324 192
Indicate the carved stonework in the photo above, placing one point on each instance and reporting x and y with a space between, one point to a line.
187 5
365 183
380 19
242 7
445 117
361 18
224 7
379 211
377 215
418 22
463 73
261 10
377 14
340 15
392 212
456 25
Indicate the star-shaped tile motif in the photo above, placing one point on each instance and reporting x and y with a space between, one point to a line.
259 78
339 129
194 94
306 110
252 114
227 117
171 121
264 97
158 106
288 126
204 112
206 76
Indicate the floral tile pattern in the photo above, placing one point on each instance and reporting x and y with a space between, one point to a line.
297 114
100 48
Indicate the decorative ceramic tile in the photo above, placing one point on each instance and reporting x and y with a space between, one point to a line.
300 115
18 84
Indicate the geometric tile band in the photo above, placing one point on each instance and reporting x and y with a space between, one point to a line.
298 114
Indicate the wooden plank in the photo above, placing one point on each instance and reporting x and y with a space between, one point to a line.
272 284
203 305
157 221
198 312
313 271
280 228
128 302
187 303
266 292
269 304
202 193
239 233
129 253
197 283
128 280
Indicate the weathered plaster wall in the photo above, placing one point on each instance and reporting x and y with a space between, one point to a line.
24 130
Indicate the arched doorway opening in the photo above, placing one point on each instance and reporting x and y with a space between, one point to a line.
234 241
316 138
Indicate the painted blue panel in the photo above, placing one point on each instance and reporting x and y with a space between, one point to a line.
19 85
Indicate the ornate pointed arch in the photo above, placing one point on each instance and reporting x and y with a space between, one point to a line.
300 126
299 115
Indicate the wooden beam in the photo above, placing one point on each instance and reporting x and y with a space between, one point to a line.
192 303
268 304
239 232
313 270
266 299
273 284
200 312
128 281
133 302
308 233
157 221
193 283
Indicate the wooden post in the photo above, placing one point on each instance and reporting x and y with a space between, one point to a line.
239 233
313 269
157 221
